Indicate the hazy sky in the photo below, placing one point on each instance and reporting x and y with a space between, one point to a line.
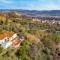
30 4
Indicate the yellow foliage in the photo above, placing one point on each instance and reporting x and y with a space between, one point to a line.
32 38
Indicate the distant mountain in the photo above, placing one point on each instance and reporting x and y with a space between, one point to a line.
34 12
46 14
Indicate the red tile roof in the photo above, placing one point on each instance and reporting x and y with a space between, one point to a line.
6 34
16 42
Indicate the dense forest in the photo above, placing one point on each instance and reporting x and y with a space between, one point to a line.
41 40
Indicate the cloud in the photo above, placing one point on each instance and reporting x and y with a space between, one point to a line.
53 7
31 4
6 1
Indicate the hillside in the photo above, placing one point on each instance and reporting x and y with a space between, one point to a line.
41 37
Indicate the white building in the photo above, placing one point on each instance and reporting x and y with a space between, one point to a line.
7 39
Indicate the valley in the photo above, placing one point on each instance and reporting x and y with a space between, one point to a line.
39 34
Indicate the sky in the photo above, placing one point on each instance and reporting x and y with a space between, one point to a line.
30 4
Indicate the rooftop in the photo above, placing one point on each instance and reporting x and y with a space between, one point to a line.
6 34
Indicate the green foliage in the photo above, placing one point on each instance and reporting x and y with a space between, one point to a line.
24 51
1 49
49 36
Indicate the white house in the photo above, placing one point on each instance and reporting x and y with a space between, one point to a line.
6 39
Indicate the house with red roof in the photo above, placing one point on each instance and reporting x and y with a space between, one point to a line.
9 39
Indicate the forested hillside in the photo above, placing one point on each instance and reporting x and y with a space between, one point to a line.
41 40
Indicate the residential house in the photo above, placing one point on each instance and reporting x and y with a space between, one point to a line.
8 39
